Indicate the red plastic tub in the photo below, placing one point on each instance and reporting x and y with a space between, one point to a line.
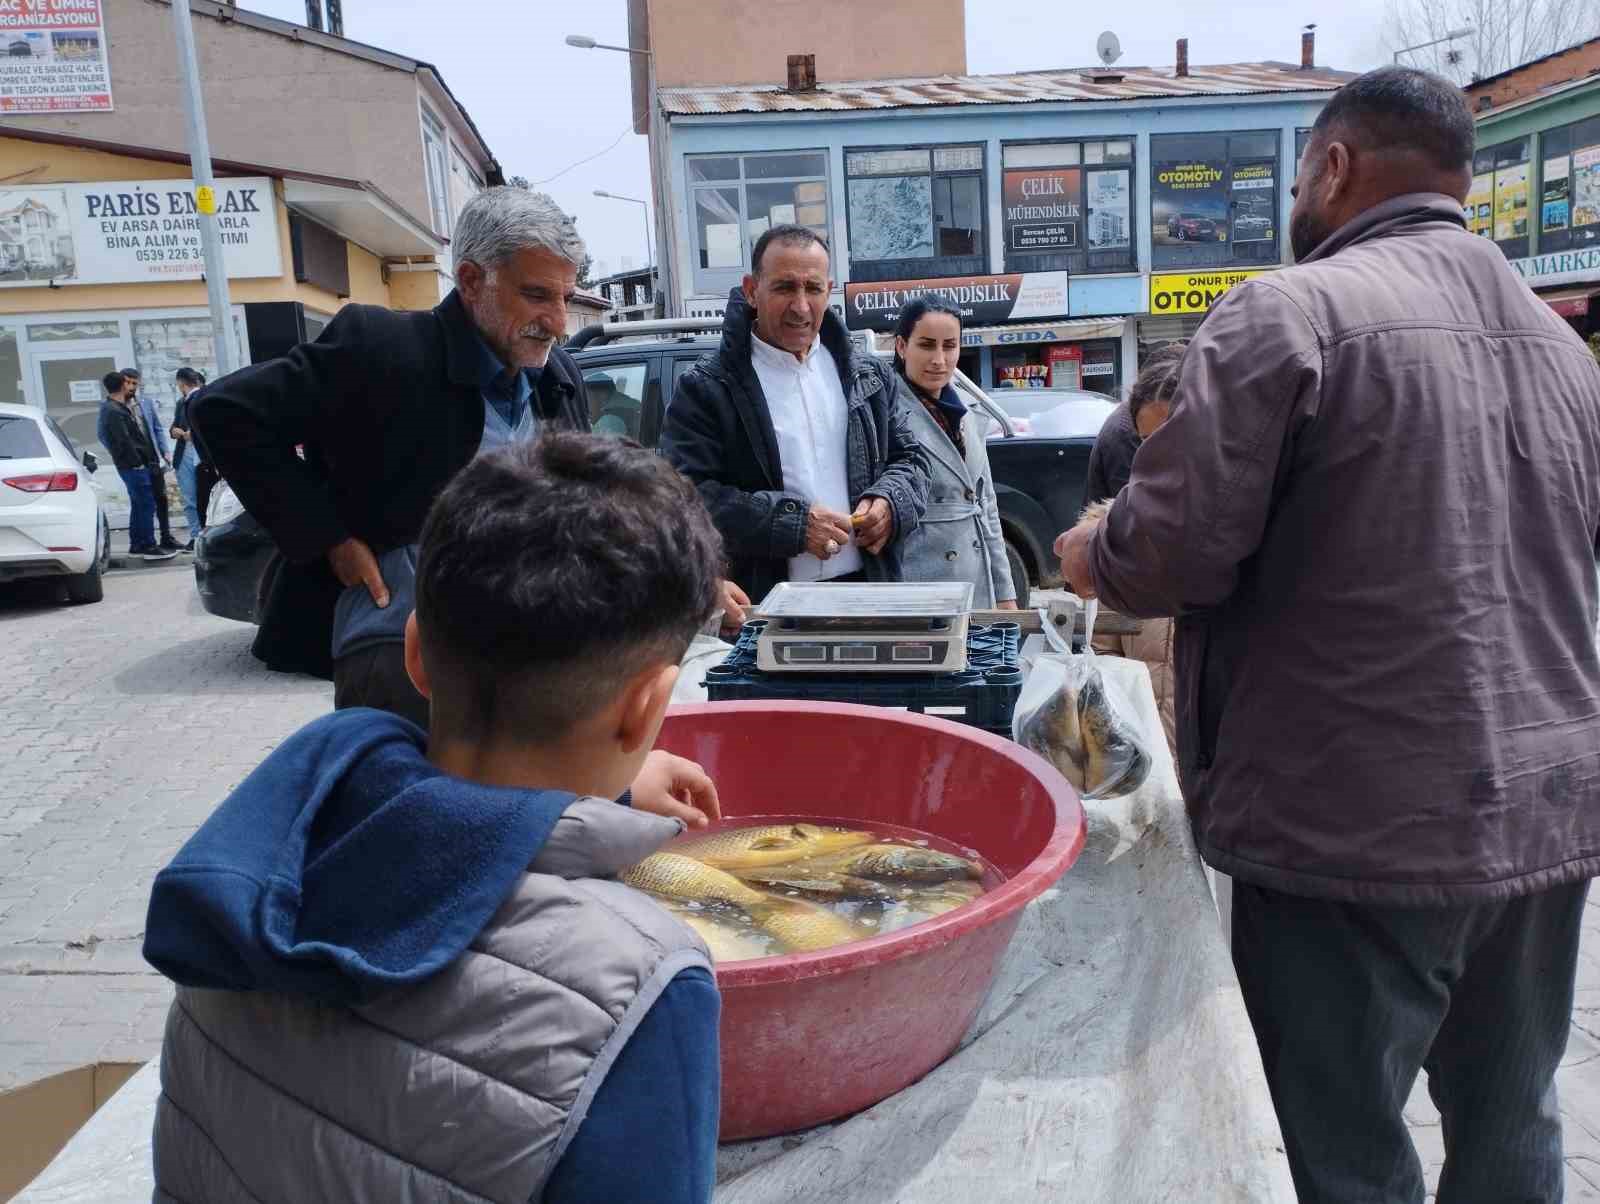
811 1037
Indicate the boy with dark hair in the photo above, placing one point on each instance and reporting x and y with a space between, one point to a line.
405 968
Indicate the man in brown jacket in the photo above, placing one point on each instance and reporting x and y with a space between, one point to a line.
1375 510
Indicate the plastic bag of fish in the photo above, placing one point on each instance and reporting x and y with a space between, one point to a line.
1076 719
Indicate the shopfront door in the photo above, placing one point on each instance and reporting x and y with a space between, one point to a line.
67 380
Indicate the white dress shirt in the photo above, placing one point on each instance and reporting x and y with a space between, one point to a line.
810 418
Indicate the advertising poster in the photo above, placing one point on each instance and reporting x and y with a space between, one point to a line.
1586 186
126 232
891 217
1107 204
1479 209
1511 203
983 300
1254 199
1043 209
1556 205
1192 292
1189 202
55 57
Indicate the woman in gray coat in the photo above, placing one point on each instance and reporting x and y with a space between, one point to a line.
959 538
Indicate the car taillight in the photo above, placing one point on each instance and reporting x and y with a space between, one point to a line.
45 482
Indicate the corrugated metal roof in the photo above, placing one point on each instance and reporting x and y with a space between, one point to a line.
1030 87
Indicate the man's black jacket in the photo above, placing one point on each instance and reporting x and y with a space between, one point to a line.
387 407
719 434
121 434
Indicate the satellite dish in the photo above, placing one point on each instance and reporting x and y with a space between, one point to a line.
1108 48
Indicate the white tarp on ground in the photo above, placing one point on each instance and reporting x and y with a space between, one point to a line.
1112 1061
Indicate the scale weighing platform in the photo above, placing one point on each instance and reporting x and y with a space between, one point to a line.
889 627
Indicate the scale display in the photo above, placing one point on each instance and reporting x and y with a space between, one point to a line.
818 627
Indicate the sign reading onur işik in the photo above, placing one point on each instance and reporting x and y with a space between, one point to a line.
127 232
53 57
1191 292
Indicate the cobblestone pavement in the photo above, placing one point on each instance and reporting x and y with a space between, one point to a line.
124 723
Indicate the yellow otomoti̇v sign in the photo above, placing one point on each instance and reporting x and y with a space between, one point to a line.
1191 292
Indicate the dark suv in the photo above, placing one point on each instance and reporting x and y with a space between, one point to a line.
1191 227
631 370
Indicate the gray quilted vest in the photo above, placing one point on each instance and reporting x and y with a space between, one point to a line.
467 1087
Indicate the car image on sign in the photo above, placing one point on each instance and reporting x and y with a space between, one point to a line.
1191 227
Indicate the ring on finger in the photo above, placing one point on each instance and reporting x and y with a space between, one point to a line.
833 547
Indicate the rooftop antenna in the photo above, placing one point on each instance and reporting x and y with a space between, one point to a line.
1108 48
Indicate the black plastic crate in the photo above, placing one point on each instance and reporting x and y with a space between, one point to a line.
983 695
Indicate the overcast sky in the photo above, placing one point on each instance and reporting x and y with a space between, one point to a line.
543 106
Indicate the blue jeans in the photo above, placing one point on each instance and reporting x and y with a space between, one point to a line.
1349 1002
142 512
186 487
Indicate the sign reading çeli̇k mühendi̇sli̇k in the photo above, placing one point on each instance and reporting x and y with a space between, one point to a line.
983 300
1192 292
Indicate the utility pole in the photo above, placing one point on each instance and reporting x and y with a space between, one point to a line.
204 191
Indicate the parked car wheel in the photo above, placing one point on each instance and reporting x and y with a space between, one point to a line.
90 586
1019 575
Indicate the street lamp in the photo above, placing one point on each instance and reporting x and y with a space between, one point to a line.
649 249
1464 31
583 41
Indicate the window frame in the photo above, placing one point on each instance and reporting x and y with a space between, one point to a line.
1498 160
1025 261
1571 236
717 281
1229 261
934 266
436 175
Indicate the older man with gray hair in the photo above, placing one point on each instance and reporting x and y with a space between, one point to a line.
386 406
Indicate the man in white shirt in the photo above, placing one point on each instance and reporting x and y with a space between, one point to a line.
799 445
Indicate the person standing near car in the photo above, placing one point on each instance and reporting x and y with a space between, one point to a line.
800 446
185 454
122 434
959 537
388 406
1375 510
149 417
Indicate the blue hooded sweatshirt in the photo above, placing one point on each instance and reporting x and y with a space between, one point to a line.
346 865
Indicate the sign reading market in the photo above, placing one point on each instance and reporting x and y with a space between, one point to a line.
983 300
133 232
1559 267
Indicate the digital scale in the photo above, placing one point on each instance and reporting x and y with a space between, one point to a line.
849 627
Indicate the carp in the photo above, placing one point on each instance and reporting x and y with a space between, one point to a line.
770 844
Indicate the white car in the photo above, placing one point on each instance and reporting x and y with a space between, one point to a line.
52 523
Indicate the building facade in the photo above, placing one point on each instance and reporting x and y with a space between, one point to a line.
1073 215
1536 176
631 294
339 170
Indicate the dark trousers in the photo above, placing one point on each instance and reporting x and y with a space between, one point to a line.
141 509
376 676
1349 1002
158 487
205 480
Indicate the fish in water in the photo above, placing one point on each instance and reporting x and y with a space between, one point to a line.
1087 739
680 877
725 938
925 902
814 883
771 844
799 925
899 863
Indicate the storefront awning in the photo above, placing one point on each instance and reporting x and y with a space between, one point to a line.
362 215
1570 302
1023 334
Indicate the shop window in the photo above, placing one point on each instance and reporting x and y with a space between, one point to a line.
1497 202
11 390
1214 199
63 332
1301 137
1091 366
737 198
1569 210
435 160
915 212
1068 206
